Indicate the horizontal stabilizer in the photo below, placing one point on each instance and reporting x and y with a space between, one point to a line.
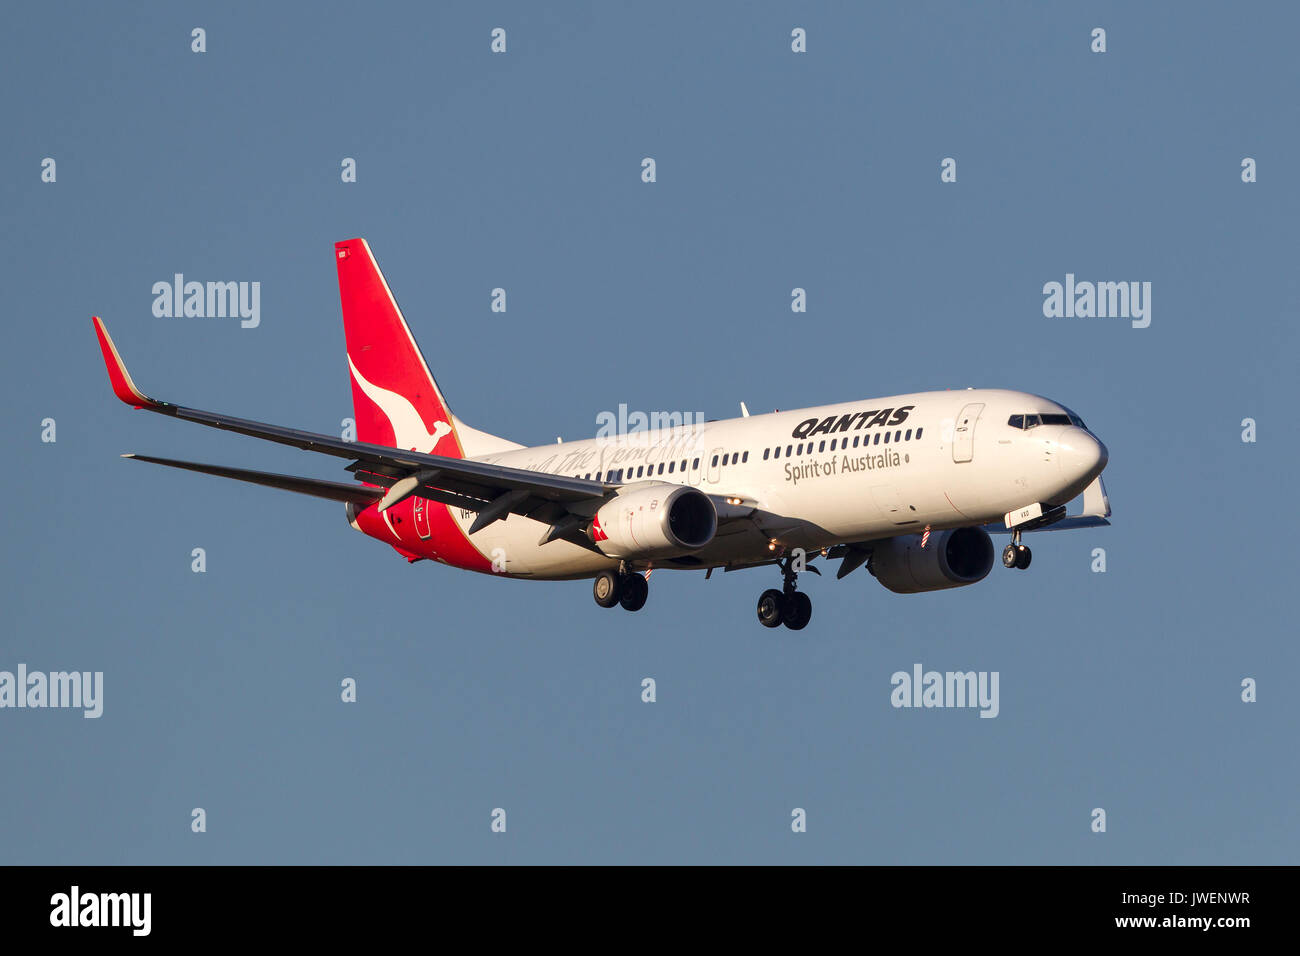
334 490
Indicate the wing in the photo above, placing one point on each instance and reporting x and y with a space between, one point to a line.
334 490
494 491
1096 509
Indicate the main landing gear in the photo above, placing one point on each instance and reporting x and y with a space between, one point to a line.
628 588
786 606
1016 555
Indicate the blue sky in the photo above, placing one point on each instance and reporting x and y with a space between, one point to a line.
521 170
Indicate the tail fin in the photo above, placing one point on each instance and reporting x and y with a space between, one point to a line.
395 400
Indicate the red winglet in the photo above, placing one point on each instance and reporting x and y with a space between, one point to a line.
118 376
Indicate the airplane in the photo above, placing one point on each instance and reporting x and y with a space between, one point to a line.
909 485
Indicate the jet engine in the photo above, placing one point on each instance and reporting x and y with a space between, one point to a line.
657 520
950 559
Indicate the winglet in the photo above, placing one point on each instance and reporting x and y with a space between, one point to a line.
1095 501
118 376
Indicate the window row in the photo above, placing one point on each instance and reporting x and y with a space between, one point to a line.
842 444
615 475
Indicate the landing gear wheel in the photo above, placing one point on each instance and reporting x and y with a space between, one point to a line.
607 589
771 608
635 590
1023 557
1010 557
798 611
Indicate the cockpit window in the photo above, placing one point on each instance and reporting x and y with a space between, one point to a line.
1047 418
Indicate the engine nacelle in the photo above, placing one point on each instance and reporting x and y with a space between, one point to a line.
951 559
657 520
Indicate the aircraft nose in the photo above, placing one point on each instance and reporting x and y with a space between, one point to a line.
1082 456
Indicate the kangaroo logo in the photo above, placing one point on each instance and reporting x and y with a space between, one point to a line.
408 426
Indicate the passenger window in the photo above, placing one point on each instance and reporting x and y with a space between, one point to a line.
918 434
821 446
877 441
898 435
908 436
715 462
799 451
683 466
744 458
787 450
640 470
661 467
766 453
776 452
697 463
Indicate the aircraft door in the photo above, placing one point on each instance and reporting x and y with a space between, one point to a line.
713 472
963 432
421 508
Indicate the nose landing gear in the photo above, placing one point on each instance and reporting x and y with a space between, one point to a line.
787 606
1016 555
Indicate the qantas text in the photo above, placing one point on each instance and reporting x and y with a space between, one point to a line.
854 420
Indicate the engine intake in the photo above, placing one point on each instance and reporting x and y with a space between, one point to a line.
654 521
951 559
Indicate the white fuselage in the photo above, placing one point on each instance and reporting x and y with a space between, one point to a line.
817 477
